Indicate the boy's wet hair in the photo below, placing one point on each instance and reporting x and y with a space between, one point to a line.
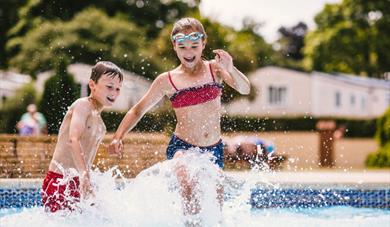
105 67
188 23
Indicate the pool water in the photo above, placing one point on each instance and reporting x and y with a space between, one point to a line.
329 216
153 199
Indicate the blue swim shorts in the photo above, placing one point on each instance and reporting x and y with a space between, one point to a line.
178 144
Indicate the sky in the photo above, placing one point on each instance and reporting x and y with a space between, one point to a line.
273 13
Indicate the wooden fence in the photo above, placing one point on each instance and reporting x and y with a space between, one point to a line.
29 157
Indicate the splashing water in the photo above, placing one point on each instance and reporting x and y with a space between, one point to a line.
153 199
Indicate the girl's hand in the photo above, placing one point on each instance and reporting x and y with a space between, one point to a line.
224 60
115 147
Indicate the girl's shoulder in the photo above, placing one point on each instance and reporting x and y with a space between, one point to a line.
162 77
170 75
214 66
162 81
212 62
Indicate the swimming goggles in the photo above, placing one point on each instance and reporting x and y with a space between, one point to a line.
180 37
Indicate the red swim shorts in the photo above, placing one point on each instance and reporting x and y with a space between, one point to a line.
58 194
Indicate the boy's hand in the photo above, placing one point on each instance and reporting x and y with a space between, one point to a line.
224 60
115 147
86 188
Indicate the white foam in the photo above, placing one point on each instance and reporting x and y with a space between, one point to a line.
153 199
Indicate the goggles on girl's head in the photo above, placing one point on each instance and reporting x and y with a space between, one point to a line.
180 37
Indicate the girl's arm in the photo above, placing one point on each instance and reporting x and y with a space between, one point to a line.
230 74
155 93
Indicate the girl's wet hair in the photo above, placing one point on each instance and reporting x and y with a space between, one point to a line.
188 24
105 67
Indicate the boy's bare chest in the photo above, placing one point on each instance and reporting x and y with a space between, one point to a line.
95 127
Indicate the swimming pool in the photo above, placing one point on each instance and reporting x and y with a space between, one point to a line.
299 206
287 196
251 199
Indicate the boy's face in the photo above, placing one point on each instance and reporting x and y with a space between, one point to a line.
106 90
189 47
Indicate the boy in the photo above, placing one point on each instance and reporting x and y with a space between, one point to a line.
80 134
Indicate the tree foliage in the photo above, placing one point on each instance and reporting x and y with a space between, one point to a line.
8 18
151 15
59 93
351 37
292 40
383 129
136 39
381 158
89 37
133 34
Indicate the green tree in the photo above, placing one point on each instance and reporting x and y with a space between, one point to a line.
383 129
249 51
351 37
8 18
291 41
59 93
150 15
89 37
381 158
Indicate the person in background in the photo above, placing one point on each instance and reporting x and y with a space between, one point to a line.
32 123
252 149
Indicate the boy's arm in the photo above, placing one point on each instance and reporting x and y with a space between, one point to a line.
230 74
76 128
80 113
151 98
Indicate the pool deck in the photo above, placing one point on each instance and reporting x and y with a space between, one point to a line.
363 178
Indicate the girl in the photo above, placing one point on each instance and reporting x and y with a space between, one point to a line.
194 89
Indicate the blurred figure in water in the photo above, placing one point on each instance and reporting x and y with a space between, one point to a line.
253 149
32 122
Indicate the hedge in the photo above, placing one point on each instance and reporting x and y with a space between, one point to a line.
165 122
381 158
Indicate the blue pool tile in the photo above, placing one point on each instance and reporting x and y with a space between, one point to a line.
375 198
260 198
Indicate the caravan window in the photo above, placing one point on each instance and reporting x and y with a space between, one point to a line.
277 95
338 99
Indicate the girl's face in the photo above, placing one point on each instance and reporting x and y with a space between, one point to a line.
189 46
